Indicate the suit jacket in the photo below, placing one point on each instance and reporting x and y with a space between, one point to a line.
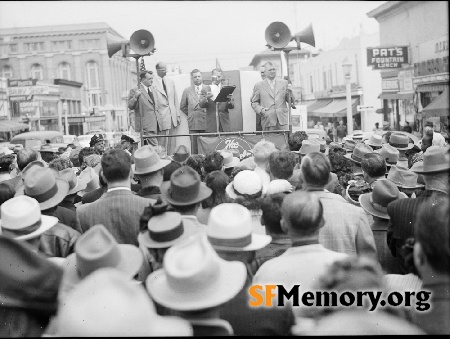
166 104
58 241
150 116
67 217
119 211
275 103
224 114
194 106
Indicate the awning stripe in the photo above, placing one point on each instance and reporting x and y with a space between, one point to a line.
439 107
337 108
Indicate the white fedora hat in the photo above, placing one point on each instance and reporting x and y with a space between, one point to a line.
194 277
230 229
146 160
229 160
107 303
21 218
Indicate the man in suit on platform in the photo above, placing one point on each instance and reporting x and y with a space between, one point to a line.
166 104
193 104
142 101
270 98
119 210
223 107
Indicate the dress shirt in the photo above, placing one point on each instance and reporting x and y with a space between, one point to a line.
118 188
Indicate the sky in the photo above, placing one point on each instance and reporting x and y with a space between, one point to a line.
194 33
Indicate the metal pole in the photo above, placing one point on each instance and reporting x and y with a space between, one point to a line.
349 106
140 109
217 117
286 51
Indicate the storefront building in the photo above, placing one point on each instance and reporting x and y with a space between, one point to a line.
422 27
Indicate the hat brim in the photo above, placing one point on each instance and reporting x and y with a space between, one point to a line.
47 222
258 241
131 260
179 158
418 168
406 187
410 145
349 199
61 193
144 238
367 142
349 157
230 191
81 185
228 284
203 193
161 164
364 201
233 163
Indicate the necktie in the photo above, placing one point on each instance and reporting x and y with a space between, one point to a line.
150 94
164 85
198 90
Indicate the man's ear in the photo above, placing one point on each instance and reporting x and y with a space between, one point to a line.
262 220
283 225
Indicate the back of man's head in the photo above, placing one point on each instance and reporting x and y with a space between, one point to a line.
296 139
435 245
302 213
315 169
25 156
262 150
116 165
374 165
281 164
213 162
271 212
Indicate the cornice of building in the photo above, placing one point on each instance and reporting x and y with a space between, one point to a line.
390 7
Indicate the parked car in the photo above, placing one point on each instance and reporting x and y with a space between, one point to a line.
70 138
37 138
314 133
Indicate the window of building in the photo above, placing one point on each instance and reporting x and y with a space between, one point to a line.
61 45
34 46
89 44
13 48
324 79
64 70
92 75
311 84
37 72
7 72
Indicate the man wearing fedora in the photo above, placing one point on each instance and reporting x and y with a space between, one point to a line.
24 157
49 190
184 193
402 144
119 210
149 168
403 213
98 143
230 233
181 154
48 153
229 161
302 217
406 181
29 289
346 226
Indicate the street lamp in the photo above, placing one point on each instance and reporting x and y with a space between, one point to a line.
66 120
347 67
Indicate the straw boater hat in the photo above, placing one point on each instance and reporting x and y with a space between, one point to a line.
40 183
403 177
181 154
383 193
47 148
358 153
229 160
245 182
375 140
358 135
349 145
230 229
194 277
185 188
75 184
21 219
389 153
146 160
107 304
309 146
435 160
164 230
96 249
400 142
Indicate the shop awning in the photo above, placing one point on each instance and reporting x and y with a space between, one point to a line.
318 104
337 108
10 126
396 96
439 107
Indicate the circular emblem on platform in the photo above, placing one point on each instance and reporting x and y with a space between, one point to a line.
238 146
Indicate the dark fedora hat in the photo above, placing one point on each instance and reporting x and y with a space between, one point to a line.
185 188
181 154
127 138
28 279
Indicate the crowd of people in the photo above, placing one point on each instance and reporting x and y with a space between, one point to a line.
127 241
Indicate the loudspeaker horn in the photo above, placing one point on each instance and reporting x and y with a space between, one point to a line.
306 36
115 44
278 35
142 42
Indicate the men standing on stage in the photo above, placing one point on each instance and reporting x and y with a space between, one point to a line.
223 107
142 101
193 104
269 100
166 104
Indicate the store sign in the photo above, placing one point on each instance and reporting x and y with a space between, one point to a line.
389 84
387 57
405 81
29 107
27 90
20 83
